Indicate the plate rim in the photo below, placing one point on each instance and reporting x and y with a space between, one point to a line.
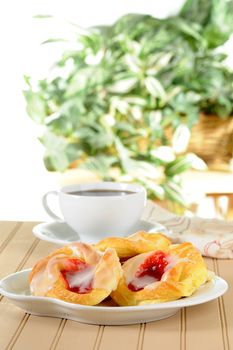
176 304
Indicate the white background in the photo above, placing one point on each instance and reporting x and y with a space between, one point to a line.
23 178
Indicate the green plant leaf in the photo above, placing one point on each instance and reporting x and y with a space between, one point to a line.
154 190
163 153
42 16
154 87
123 153
196 162
133 63
55 154
216 18
54 40
100 165
36 106
142 169
178 166
189 29
197 10
135 100
174 192
180 138
123 86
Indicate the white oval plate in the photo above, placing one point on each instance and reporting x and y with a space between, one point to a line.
16 288
60 233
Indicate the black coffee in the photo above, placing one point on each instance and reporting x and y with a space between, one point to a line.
101 193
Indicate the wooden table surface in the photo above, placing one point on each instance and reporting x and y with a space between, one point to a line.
208 326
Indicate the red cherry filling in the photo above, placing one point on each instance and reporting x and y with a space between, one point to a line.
74 267
133 288
153 266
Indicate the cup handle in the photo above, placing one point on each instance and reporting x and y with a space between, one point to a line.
47 208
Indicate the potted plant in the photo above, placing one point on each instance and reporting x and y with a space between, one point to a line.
121 102
212 135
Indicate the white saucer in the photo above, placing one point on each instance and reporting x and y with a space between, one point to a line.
16 288
60 233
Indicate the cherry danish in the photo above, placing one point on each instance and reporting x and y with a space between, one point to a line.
77 273
161 275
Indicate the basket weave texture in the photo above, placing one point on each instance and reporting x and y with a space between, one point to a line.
212 140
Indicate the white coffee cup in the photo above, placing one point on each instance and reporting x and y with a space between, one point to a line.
95 217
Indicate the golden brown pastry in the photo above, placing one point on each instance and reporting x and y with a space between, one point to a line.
161 275
139 242
76 273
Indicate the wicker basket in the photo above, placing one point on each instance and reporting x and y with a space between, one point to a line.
212 140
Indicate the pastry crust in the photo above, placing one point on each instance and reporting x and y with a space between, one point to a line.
103 273
184 274
139 242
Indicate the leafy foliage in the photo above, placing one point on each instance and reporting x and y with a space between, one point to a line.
215 18
110 103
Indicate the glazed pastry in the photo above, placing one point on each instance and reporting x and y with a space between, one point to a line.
161 276
76 273
139 242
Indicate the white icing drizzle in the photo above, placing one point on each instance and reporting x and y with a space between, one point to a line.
75 250
81 279
85 252
172 261
131 266
142 282
152 285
